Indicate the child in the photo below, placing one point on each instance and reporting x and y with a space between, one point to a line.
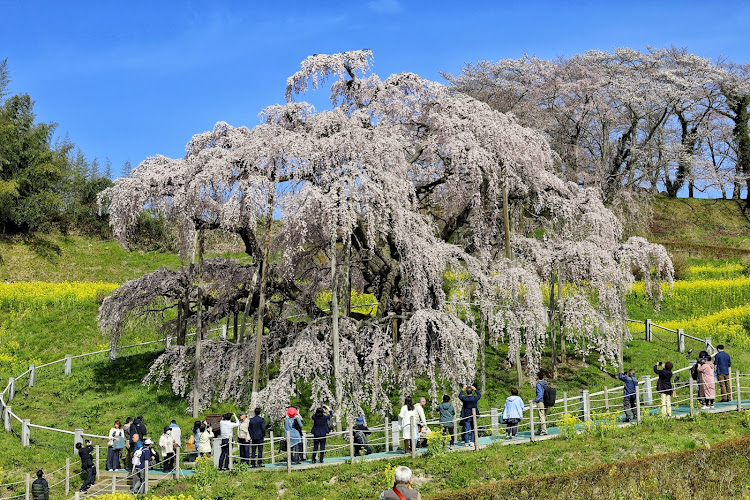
512 413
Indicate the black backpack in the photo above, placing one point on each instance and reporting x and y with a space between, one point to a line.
694 371
549 396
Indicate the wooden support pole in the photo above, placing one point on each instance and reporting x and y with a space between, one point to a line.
531 417
476 429
351 442
414 438
288 453
273 451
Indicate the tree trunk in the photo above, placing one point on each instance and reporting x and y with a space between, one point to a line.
552 331
563 355
262 301
335 330
199 327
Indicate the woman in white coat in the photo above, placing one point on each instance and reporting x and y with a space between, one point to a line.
407 419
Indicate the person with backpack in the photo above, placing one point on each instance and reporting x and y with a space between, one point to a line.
320 431
293 431
629 389
361 431
141 460
541 387
40 487
468 409
115 445
512 413
257 430
664 386
447 414
87 464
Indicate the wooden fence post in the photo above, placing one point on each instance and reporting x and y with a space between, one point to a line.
649 334
565 402
32 375
68 364
638 404
531 417
288 453
476 429
25 432
11 388
414 439
606 398
230 451
177 462
8 428
114 484
351 443
455 428
77 438
96 462
273 451
648 398
145 473
494 421
692 403
216 452
28 486
739 395
585 405
680 340
67 476
385 429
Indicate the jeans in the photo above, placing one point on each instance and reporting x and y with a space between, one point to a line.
140 482
319 444
244 450
628 404
449 431
224 457
113 459
468 430
511 426
90 478
297 453
257 452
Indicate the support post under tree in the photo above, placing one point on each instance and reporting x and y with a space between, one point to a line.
335 330
199 327
262 301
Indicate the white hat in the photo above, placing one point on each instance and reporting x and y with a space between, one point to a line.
148 442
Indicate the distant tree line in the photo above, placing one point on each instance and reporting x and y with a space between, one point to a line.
661 120
44 185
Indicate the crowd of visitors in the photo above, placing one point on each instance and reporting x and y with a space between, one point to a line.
139 451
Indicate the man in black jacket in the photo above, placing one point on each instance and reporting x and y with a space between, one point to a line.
40 487
87 464
257 429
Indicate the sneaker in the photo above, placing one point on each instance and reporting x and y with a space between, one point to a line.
452 447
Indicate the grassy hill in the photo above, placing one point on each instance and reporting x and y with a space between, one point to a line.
712 300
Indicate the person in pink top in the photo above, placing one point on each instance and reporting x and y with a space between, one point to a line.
706 380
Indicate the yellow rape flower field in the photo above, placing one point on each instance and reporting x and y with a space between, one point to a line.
40 294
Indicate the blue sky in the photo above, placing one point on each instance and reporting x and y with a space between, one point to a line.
127 80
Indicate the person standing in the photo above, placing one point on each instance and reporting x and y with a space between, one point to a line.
87 464
257 429
629 389
512 413
293 429
205 434
406 416
664 386
469 408
243 438
144 459
166 443
320 431
447 414
421 422
114 446
723 362
177 435
538 400
128 442
706 379
402 489
226 429
40 487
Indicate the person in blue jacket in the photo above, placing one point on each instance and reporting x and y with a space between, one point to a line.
723 362
512 413
469 406
628 394
541 385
